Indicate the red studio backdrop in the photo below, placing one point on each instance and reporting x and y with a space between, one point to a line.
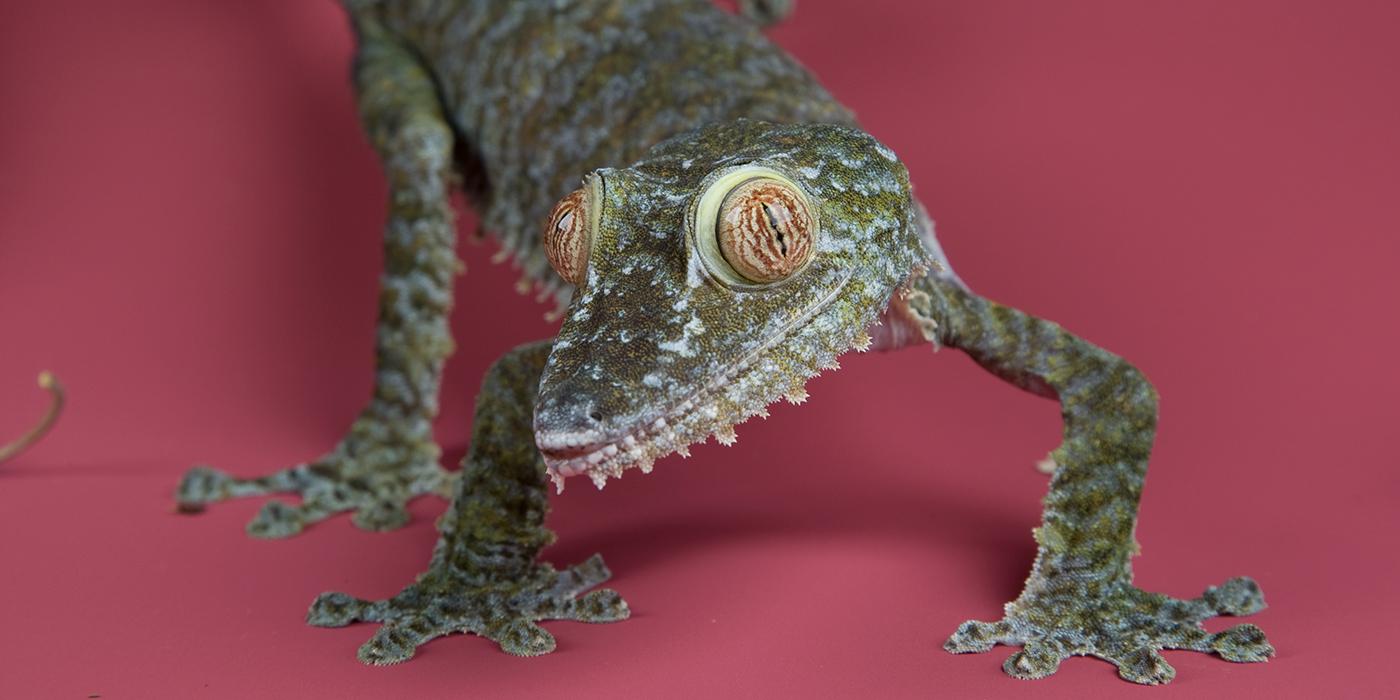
189 224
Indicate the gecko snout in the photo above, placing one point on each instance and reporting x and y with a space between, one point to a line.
567 422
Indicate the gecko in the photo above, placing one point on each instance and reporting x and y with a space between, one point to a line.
717 229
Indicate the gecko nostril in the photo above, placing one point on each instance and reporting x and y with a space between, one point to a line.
596 416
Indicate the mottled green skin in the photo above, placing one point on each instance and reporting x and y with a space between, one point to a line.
653 100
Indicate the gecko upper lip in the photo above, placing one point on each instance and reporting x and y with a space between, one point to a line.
559 439
569 453
562 445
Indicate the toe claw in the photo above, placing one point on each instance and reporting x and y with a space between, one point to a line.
200 485
189 507
335 609
381 516
391 644
975 637
521 637
1145 666
1032 662
1238 596
275 520
583 576
604 605
1242 644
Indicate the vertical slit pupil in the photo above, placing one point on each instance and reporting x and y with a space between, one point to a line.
773 223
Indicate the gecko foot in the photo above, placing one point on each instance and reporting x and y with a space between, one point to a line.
374 482
1123 625
502 608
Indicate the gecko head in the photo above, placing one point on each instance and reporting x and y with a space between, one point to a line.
714 277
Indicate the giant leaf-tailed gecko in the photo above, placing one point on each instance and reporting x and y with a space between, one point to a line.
721 229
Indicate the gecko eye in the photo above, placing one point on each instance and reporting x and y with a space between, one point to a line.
754 226
568 236
764 230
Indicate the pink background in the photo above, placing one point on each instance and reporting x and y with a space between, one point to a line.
189 222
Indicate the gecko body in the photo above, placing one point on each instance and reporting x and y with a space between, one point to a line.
720 229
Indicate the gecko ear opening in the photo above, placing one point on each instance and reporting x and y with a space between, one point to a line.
754 227
568 234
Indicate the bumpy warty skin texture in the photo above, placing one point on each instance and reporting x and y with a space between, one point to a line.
648 102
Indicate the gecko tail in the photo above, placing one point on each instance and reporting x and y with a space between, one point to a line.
49 383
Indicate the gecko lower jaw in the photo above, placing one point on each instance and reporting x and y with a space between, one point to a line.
599 455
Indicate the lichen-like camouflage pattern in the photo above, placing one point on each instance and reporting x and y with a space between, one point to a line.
648 103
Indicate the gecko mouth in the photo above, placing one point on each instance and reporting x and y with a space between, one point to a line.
600 459
690 422
741 391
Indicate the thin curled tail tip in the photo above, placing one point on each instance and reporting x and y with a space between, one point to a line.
49 383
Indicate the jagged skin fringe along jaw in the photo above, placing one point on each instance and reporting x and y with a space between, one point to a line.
658 352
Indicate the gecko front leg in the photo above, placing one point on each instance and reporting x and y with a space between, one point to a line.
389 456
484 577
1080 599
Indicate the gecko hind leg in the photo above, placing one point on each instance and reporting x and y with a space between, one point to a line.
1079 598
484 576
389 456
